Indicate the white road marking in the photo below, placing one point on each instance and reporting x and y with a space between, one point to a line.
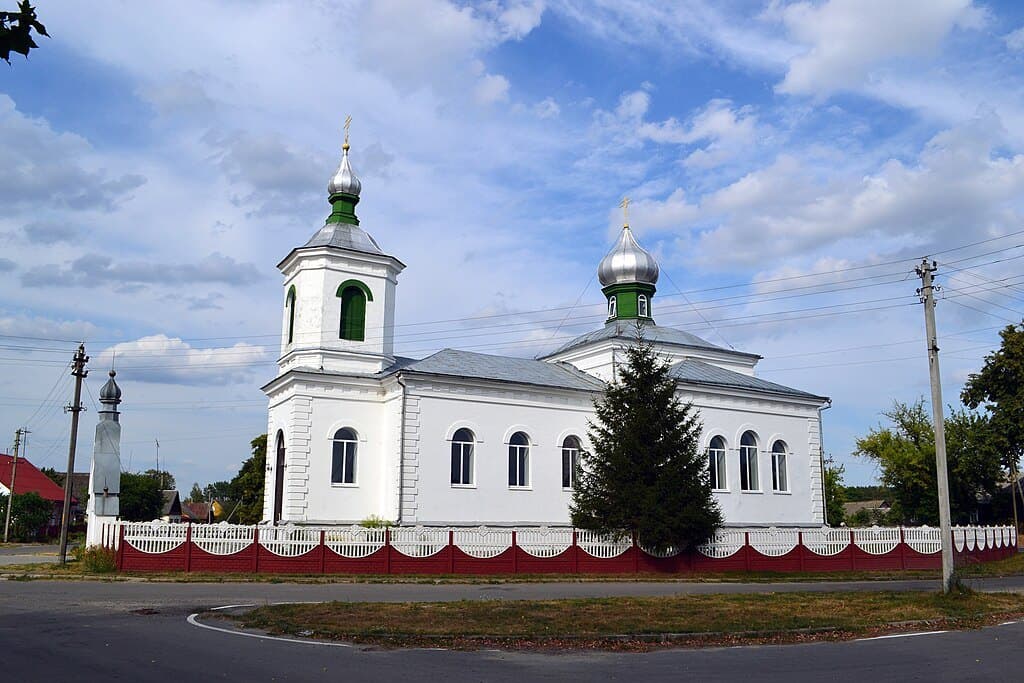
195 622
1009 623
903 635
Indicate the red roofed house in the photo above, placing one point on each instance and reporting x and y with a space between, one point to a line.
30 479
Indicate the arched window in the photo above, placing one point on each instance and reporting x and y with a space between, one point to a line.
716 464
748 462
462 457
343 461
611 306
570 461
279 478
641 306
519 460
354 295
780 479
290 304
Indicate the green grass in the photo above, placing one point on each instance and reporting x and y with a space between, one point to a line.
684 618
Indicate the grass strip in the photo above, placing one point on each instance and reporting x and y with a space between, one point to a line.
704 619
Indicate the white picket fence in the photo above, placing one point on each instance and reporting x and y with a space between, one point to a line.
486 542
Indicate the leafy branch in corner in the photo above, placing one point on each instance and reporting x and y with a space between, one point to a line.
16 31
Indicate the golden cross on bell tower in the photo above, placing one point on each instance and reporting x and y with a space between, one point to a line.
624 205
348 123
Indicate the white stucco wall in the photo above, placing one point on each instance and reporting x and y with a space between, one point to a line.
310 410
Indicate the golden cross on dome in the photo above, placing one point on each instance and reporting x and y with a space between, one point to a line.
624 205
348 123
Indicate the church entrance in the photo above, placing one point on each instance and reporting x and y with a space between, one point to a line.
279 478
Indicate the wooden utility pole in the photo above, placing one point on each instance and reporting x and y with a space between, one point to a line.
14 475
79 372
927 293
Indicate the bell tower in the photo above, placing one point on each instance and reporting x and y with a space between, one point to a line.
338 311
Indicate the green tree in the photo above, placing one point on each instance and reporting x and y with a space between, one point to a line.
905 452
29 515
246 488
141 497
196 494
163 478
16 31
835 492
218 490
646 474
999 387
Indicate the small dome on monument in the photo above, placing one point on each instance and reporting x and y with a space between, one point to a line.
344 180
110 394
627 262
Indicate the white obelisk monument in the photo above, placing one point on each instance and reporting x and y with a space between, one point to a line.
105 469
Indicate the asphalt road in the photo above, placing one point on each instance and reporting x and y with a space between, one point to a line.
92 631
28 554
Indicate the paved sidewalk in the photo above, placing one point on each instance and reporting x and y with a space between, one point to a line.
28 553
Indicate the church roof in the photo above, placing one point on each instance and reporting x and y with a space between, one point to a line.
626 329
692 371
344 236
455 363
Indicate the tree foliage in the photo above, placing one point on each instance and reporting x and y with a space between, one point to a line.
164 478
246 488
16 31
999 386
905 452
646 474
835 492
141 497
29 515
196 494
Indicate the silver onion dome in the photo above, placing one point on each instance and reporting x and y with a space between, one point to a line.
627 262
344 179
110 394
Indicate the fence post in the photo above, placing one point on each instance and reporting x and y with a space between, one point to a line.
323 551
575 552
255 550
800 551
903 549
120 546
746 550
387 550
451 551
188 548
636 554
515 552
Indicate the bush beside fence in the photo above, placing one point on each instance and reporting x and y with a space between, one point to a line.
161 546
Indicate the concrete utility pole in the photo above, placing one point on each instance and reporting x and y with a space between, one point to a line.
927 294
14 475
79 372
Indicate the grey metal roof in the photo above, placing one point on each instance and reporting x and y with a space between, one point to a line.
623 329
692 371
455 363
344 236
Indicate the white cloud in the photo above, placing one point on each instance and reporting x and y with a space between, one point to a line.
846 39
169 360
547 108
725 129
492 88
1015 40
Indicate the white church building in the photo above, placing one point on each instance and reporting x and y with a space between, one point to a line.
464 439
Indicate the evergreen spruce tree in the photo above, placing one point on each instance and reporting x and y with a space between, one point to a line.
646 474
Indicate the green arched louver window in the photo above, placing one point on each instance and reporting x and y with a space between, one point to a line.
353 295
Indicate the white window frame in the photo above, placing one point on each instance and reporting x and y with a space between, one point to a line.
612 306
720 458
780 475
574 461
642 306
521 453
462 445
354 444
748 456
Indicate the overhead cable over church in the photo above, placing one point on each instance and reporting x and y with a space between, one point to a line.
462 438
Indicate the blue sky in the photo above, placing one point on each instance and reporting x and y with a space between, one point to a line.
789 162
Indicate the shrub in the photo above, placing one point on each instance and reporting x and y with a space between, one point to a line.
97 559
375 522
